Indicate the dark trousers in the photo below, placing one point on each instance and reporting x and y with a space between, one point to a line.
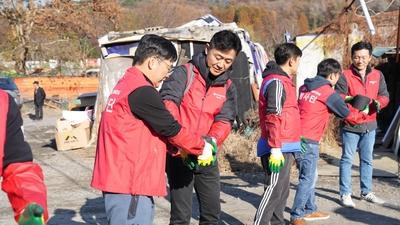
38 111
276 192
205 181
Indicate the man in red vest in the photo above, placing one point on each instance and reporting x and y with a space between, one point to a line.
280 131
202 97
360 80
317 100
130 157
22 179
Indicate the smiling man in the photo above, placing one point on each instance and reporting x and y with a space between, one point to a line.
130 155
202 97
363 80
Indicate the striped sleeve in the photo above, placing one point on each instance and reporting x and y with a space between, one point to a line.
275 96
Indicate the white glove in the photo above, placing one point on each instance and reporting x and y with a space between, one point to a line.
207 152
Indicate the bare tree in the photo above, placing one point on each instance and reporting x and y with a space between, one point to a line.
80 24
21 16
37 30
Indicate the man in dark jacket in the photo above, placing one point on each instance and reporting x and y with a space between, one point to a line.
22 179
280 131
317 100
38 99
202 97
362 80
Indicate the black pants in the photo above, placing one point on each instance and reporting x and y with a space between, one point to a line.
205 181
38 111
276 192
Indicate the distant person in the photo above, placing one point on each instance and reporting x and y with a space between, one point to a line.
22 180
280 131
38 99
202 96
360 82
130 157
317 100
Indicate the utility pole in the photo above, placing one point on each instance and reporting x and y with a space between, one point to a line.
367 17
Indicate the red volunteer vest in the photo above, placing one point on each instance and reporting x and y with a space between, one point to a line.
289 130
370 88
314 112
3 125
130 158
200 106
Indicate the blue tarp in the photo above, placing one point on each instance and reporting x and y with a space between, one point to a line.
379 51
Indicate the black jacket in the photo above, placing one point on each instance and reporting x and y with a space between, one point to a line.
275 94
173 88
15 147
39 96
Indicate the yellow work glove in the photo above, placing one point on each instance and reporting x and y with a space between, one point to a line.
208 156
276 160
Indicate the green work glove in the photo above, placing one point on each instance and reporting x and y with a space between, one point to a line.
276 160
377 106
303 146
366 110
189 160
348 98
208 157
32 215
356 126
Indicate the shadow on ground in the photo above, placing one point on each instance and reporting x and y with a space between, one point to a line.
52 144
31 116
366 217
92 212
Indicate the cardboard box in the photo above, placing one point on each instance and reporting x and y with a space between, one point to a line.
63 125
69 136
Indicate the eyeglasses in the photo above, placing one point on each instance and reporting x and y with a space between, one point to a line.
359 58
170 67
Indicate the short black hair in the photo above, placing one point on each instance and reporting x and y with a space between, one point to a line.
226 40
328 66
35 82
154 45
286 51
360 46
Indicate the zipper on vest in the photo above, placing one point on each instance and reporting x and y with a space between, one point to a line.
201 111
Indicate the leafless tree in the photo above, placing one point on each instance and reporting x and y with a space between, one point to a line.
21 16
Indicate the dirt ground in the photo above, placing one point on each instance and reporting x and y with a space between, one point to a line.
73 202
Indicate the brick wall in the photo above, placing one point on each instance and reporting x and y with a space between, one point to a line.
65 87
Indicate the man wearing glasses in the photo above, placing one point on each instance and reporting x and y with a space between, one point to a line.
360 81
130 155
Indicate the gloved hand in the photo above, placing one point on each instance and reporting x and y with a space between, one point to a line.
348 98
365 110
276 160
189 160
208 157
303 146
377 106
32 215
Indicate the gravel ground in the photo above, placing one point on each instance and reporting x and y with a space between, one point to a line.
72 201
